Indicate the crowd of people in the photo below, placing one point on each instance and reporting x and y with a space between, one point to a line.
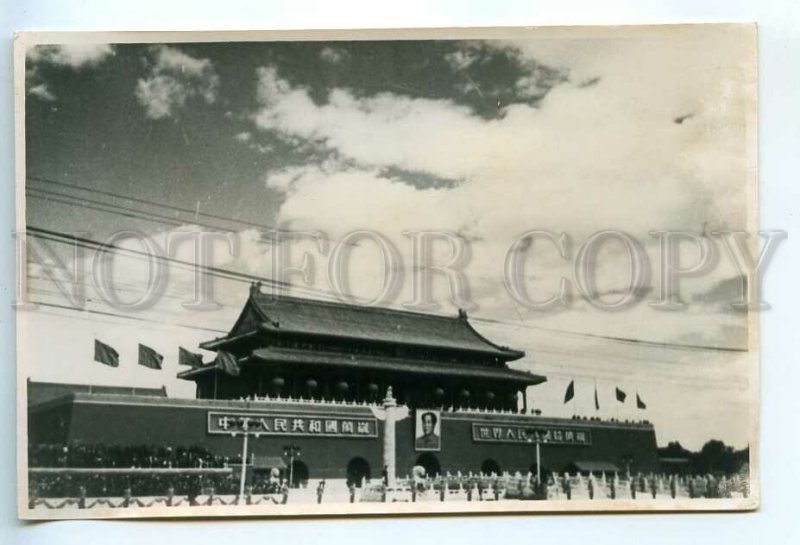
105 485
143 456
529 487
612 419
56 484
78 455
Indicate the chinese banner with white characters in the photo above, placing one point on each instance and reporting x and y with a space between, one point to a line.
493 432
292 424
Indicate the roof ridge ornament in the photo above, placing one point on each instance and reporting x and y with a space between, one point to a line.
462 314
255 288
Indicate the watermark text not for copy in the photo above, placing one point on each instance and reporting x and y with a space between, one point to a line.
297 258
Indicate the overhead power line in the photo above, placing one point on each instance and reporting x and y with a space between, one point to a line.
249 278
138 213
88 243
218 272
571 372
182 210
124 316
111 209
174 221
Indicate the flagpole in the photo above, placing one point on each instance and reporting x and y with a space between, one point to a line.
243 475
215 383
538 464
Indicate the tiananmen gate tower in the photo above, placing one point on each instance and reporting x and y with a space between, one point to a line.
363 392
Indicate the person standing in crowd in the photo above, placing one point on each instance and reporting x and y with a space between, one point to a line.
320 490
285 492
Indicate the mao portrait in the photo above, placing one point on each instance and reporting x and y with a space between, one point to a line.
428 431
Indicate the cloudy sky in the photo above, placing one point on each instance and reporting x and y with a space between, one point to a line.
567 131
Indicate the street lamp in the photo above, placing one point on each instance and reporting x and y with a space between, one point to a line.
538 437
243 475
291 452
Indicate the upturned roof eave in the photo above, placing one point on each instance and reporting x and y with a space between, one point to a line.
216 344
190 374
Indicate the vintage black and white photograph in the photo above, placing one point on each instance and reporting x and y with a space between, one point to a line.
376 272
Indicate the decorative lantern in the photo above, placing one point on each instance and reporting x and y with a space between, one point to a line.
343 386
373 388
490 396
439 392
464 394
311 384
278 382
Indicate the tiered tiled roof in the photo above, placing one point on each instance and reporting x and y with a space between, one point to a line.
291 315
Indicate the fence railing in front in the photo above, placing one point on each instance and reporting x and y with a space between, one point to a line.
466 488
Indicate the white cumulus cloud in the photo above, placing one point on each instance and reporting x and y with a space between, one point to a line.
589 157
174 79
41 91
73 55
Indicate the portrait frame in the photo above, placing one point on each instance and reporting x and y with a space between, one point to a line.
427 441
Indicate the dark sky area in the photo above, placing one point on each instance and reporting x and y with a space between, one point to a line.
91 129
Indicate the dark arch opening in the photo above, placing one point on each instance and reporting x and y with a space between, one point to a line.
358 471
299 474
489 467
430 463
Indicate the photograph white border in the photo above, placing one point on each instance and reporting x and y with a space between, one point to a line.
775 521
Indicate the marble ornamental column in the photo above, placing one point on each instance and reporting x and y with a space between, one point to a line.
389 447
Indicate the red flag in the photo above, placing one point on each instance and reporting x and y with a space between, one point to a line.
621 396
570 393
106 355
639 403
191 359
228 363
596 400
149 358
